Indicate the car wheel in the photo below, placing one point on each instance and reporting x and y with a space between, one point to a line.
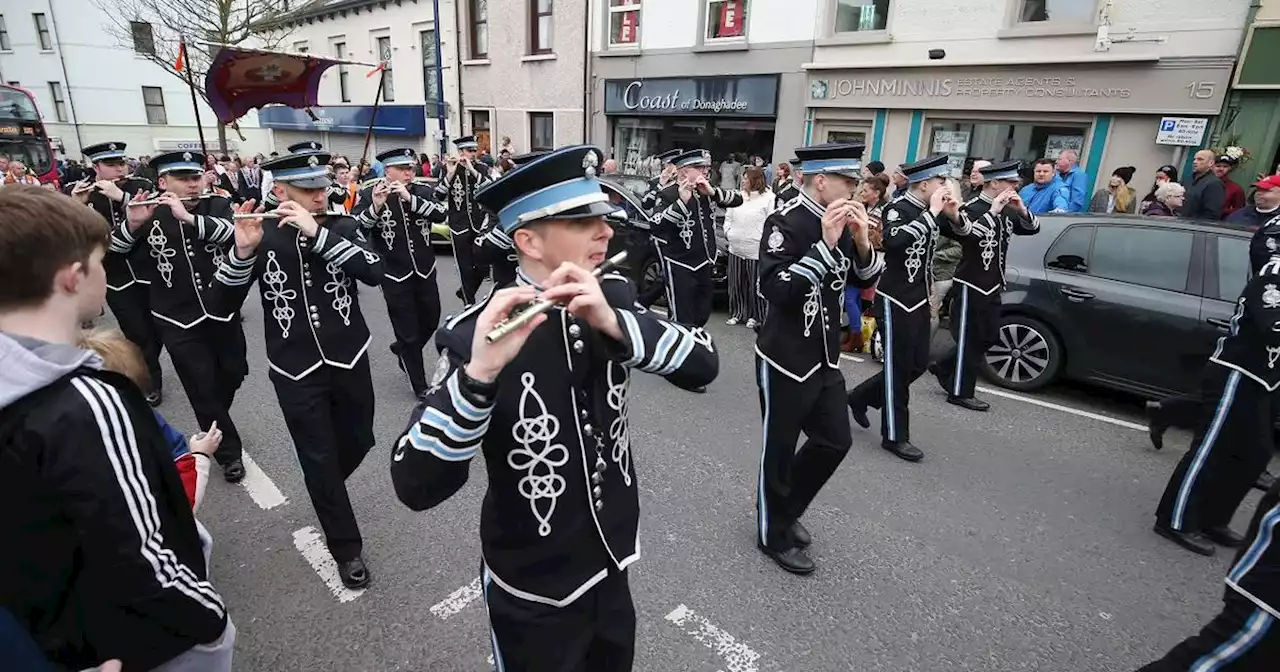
1026 356
652 285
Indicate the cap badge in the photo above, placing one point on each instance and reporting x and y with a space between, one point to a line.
112 146
313 161
315 145
589 163
706 156
1270 296
186 156
1271 244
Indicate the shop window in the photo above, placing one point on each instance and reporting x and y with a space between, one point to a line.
539 26
624 23
1024 142
861 15
635 142
541 131
637 139
479 15
847 136
1073 11
727 19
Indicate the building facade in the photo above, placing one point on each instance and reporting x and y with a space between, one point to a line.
724 75
523 72
1021 79
1252 116
417 103
90 89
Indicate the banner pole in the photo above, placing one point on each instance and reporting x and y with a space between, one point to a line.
368 133
195 103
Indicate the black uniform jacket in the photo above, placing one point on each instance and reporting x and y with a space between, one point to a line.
686 232
559 414
401 231
984 238
495 248
910 237
182 258
119 261
650 200
804 280
458 194
310 309
788 192
1252 343
103 559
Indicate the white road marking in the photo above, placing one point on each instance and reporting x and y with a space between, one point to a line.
845 355
1045 404
738 657
457 600
310 544
260 488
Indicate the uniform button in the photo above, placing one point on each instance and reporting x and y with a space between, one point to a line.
314 309
578 347
588 429
308 282
190 253
599 505
575 331
583 414
597 478
597 492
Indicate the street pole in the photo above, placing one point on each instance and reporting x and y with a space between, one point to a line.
439 102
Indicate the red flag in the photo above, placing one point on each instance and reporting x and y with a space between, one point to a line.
182 58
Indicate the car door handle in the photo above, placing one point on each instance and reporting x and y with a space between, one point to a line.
1075 294
1219 323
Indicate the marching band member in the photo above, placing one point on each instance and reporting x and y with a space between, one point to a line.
466 219
397 215
987 223
317 341
686 232
1234 443
659 182
185 237
547 408
493 247
812 247
910 233
308 147
128 295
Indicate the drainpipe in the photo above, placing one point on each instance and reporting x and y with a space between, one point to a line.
588 81
457 52
71 99
441 114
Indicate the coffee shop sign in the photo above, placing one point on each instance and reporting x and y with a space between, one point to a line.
634 99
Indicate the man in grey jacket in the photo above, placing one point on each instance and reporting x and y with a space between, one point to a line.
1205 192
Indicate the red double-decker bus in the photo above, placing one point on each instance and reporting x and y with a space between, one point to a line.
22 134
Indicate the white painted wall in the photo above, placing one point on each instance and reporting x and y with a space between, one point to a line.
668 24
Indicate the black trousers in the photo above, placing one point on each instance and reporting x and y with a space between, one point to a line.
978 327
1182 410
132 308
1243 638
209 359
789 479
906 356
689 294
1230 449
594 633
470 272
744 301
414 308
329 413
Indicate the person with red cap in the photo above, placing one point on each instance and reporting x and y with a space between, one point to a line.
1266 204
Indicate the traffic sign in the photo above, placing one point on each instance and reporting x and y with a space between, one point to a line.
1182 131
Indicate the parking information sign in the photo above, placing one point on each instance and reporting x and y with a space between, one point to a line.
1182 131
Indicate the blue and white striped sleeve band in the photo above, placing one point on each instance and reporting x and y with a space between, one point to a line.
235 272
870 270
453 436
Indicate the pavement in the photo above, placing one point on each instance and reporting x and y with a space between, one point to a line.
1022 542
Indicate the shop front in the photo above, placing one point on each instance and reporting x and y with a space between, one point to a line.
728 116
1109 113
1252 120
342 129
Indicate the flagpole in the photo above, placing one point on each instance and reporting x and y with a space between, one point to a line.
368 133
195 103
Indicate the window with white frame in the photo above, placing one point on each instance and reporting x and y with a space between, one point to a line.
727 19
301 47
541 131
853 16
384 56
479 28
153 101
59 102
427 42
624 23
42 31
340 52
540 22
4 35
144 41
1073 11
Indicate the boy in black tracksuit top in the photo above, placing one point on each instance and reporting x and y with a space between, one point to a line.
102 559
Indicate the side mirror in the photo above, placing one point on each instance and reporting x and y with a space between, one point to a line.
618 216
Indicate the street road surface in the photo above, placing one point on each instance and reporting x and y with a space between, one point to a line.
1022 542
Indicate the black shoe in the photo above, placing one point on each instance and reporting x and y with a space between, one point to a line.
1156 424
792 559
354 573
458 294
969 403
701 389
1224 536
1192 541
801 535
903 449
936 370
155 398
233 471
1265 481
859 412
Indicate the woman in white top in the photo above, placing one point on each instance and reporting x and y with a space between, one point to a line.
743 226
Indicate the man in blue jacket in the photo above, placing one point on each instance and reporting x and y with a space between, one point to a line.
1047 193
1075 179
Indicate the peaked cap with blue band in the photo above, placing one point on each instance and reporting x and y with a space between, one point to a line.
178 162
306 170
1005 170
669 155
467 142
837 158
693 157
308 147
401 156
560 184
926 168
521 159
106 151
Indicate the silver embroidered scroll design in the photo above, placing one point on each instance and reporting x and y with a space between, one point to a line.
279 296
988 245
338 288
162 253
388 230
842 274
811 306
1273 354
914 255
219 255
459 192
686 233
620 428
538 427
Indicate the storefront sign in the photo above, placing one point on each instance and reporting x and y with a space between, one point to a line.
1147 88
1182 131
193 145
746 96
391 119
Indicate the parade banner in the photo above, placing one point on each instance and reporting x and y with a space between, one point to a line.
240 80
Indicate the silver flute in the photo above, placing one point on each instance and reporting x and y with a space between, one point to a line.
189 199
540 306
273 214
